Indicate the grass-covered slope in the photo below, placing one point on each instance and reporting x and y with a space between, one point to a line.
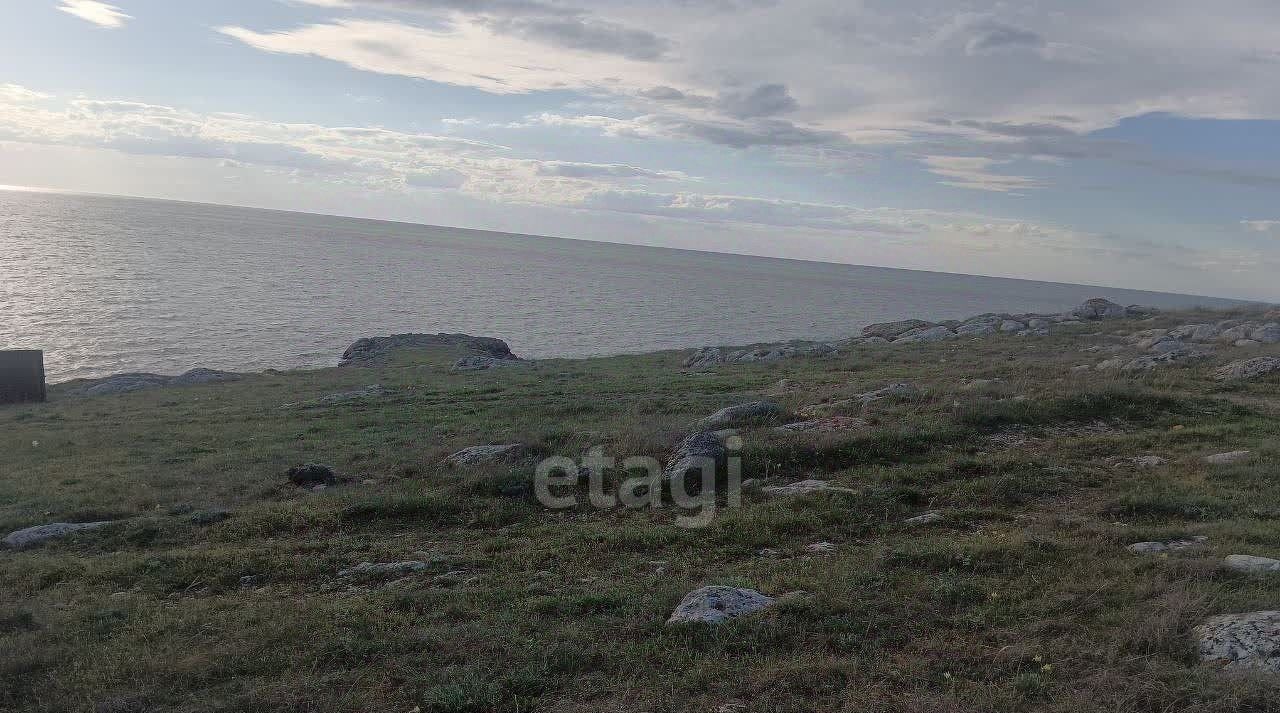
1022 598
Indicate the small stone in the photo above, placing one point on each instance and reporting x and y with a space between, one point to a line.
1226 458
830 424
925 519
483 455
806 487
715 605
821 548
1241 642
694 452
1249 563
1159 548
251 581
312 474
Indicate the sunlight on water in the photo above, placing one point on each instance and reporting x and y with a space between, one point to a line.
107 284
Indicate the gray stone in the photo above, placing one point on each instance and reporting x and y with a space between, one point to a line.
925 519
373 349
1235 334
693 453
1267 334
1241 642
1249 563
481 362
1099 308
383 569
1038 324
1226 458
32 536
1159 548
1166 345
892 330
900 391
1010 325
1178 356
821 548
708 357
751 413
1247 343
129 383
932 334
1248 369
829 424
487 454
807 487
715 605
1141 311
975 329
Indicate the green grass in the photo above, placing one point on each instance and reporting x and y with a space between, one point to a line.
1022 599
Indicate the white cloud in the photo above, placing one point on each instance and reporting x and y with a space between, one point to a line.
1269 227
99 13
18 93
972 172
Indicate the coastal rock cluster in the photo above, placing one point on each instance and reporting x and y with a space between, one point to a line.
128 383
707 357
915 331
371 350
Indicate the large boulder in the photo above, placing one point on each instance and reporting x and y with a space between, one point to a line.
1248 369
32 536
1267 334
716 605
373 349
1241 642
752 413
939 333
1251 564
1099 308
893 330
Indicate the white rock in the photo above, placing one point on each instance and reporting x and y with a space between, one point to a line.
1226 458
715 605
821 548
1158 548
1241 642
925 519
32 536
1249 563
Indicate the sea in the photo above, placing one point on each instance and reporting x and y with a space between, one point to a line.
106 285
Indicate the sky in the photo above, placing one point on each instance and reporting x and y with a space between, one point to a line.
1134 143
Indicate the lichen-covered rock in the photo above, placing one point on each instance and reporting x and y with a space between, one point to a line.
32 536
715 605
1099 308
696 451
893 330
1160 548
1248 369
975 329
901 391
487 454
1250 563
1241 642
1226 458
1177 356
372 349
806 487
1010 326
751 413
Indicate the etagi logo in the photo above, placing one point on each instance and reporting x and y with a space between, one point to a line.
703 476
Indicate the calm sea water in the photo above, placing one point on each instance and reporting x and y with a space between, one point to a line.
105 285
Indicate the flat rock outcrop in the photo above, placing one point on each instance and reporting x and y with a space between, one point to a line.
708 357
1099 308
1160 548
373 349
1241 642
139 381
33 536
806 487
893 330
1248 369
716 605
1250 563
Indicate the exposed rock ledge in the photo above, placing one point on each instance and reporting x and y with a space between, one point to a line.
370 350
126 383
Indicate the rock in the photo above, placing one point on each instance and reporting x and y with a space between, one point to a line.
1165 345
1179 356
1038 324
484 455
372 349
975 329
868 340
312 474
1148 461
1099 308
821 548
693 452
383 569
1226 458
368 392
1109 364
1157 548
1246 343
1241 642
1141 311
1248 369
925 519
32 536
715 605
209 517
1249 563
830 424
251 581
932 334
1267 334
708 357
892 330
1010 325
1235 334
807 487
485 363
129 383
751 413
901 390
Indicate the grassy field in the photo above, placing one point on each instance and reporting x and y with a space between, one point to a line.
1023 598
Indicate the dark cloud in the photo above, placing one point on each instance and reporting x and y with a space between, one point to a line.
582 33
764 100
989 36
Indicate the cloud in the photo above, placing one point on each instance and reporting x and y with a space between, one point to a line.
570 169
764 100
99 13
972 172
1268 227
18 93
585 34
